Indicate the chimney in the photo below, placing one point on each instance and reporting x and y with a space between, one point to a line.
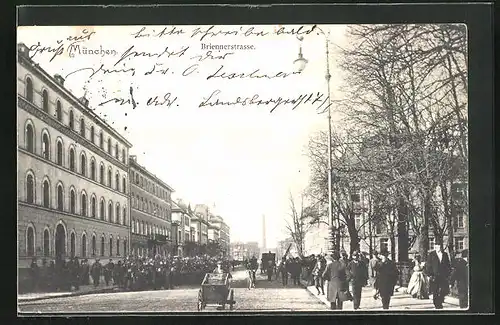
133 158
23 50
84 101
59 79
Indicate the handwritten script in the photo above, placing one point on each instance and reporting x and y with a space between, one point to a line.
218 59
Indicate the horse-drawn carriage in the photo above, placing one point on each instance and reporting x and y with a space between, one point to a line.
216 290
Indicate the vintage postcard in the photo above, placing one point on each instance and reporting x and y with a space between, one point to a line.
250 168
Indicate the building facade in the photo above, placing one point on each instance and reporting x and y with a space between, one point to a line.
241 251
151 211
72 173
181 216
201 223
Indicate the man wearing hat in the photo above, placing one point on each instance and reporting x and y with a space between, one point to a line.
335 274
357 273
460 277
95 272
438 268
387 277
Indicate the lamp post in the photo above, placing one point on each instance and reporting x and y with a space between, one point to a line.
334 223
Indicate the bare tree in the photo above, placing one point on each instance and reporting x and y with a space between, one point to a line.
299 222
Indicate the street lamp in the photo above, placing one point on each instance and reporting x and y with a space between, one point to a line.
300 63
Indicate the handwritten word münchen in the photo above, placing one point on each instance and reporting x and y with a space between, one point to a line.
318 99
256 74
82 50
231 47
130 53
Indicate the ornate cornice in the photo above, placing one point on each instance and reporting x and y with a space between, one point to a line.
29 107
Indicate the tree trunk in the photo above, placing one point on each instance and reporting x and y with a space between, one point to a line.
403 242
424 230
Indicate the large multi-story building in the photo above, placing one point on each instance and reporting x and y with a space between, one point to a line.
72 173
150 197
200 223
225 237
181 216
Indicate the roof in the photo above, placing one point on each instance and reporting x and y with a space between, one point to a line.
133 163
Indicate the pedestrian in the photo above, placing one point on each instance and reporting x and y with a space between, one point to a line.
95 272
283 269
387 277
460 277
335 274
358 276
269 269
317 273
438 269
75 273
108 271
35 274
418 286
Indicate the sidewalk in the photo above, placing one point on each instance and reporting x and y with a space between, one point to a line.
84 290
399 301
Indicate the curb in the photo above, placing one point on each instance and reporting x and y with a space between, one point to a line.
69 294
448 299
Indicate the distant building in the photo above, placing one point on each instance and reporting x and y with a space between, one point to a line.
181 217
151 202
241 251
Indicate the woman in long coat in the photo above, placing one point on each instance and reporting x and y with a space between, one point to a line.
335 273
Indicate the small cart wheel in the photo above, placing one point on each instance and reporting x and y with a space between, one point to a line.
231 299
200 301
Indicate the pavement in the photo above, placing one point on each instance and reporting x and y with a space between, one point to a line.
399 301
83 290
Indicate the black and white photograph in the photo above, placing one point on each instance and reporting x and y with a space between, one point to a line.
242 168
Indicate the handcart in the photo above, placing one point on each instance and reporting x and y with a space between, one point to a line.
216 291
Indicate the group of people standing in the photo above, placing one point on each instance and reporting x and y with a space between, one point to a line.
347 276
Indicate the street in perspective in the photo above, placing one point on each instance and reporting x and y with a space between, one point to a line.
328 175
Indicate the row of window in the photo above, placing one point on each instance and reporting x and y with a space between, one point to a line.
144 205
71 123
150 186
113 212
84 171
144 228
115 247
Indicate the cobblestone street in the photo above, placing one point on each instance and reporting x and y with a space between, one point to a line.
268 296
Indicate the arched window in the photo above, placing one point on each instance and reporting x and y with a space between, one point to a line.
30 189
92 135
109 146
83 165
92 170
29 90
117 246
101 173
71 121
110 178
45 101
82 127
45 146
102 245
72 159
102 210
117 215
124 218
60 198
125 247
30 138
143 204
72 245
59 154
30 241
133 226
101 140
110 211
94 246
59 111
123 156
84 245
46 242
93 207
124 185
117 181
46 194
137 178
116 151
111 246
72 199
84 204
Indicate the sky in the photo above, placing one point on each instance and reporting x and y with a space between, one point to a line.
243 160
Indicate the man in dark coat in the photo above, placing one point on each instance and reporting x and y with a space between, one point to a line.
283 269
85 272
108 271
75 273
387 277
438 269
95 272
358 275
460 277
336 275
35 274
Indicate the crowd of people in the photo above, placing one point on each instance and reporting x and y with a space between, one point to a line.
131 273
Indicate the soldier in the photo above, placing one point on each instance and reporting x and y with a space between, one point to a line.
96 272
